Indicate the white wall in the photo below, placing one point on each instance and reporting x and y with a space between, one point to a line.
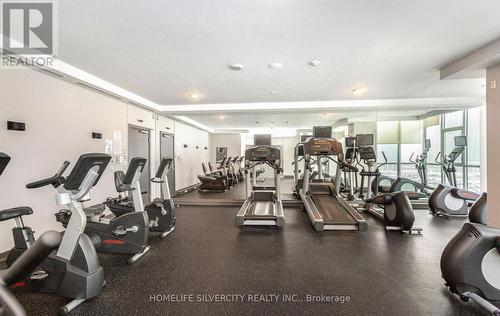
493 145
188 159
231 141
59 120
287 145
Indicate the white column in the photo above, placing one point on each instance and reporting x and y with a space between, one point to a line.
493 144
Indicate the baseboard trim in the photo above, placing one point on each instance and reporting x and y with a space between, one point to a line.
187 189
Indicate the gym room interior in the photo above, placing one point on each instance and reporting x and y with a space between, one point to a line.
249 157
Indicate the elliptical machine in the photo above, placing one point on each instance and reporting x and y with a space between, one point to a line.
161 212
385 184
396 212
119 233
471 261
450 201
349 186
74 270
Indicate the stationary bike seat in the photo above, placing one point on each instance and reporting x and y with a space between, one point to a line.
15 212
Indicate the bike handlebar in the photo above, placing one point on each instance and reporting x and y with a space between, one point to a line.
54 180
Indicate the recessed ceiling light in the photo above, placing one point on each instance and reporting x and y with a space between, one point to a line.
314 63
358 91
236 66
326 114
195 96
221 117
275 65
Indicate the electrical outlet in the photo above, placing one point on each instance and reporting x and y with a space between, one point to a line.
493 84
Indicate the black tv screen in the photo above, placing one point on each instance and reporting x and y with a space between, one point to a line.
262 139
363 140
427 144
349 141
322 131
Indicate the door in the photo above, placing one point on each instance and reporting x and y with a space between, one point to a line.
138 146
167 151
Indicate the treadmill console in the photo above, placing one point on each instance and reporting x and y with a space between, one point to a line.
267 153
323 146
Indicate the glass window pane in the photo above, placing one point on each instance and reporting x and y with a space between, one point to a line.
408 149
411 132
474 136
387 132
391 152
433 175
434 134
474 179
410 172
454 119
390 170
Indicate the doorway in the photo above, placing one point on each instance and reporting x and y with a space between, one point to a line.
167 151
139 146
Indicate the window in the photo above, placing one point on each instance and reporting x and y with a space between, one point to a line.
474 179
399 140
455 119
474 136
433 175
408 168
449 142
433 133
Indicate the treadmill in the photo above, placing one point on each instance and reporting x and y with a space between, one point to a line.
326 209
262 206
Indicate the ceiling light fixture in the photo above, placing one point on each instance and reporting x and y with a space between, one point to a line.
358 91
195 96
221 117
274 92
275 65
314 63
325 114
236 66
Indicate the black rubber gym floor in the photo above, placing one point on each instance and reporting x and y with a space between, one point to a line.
383 273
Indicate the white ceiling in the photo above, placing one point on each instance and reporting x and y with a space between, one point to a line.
301 119
163 50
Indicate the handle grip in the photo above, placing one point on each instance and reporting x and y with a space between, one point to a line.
54 180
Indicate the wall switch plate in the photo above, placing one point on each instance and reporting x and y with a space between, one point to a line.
493 84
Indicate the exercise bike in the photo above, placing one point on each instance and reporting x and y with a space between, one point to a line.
450 201
22 268
119 233
471 261
161 212
74 270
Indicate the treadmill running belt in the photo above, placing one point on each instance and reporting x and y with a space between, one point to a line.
332 210
261 209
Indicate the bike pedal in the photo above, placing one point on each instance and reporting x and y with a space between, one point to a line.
38 275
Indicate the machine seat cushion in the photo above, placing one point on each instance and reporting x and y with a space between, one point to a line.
15 212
